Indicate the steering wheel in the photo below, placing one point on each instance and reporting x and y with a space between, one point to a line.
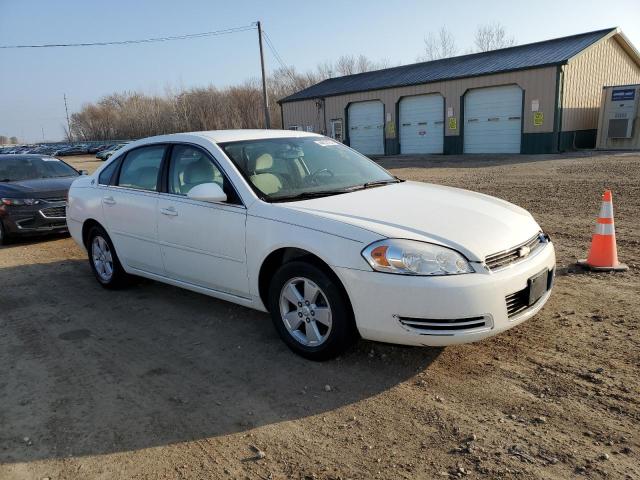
312 178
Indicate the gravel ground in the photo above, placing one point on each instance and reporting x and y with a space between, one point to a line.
157 382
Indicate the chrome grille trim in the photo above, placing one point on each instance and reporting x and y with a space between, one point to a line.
59 212
508 257
446 326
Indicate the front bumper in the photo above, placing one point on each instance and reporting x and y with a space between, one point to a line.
455 309
42 218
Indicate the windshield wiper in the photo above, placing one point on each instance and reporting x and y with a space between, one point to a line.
6 180
305 195
376 183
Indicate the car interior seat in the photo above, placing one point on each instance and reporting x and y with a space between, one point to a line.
199 172
264 180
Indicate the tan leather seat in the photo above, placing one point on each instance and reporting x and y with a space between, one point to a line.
264 181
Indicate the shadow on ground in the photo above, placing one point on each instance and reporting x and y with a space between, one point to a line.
24 241
87 371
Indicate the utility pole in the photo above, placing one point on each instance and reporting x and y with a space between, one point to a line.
265 99
42 128
68 123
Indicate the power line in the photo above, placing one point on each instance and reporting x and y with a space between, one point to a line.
144 40
278 57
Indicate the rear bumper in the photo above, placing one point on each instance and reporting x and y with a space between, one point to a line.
441 311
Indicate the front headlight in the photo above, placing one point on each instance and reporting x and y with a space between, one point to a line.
19 201
410 257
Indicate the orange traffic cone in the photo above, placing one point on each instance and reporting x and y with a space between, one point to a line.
603 254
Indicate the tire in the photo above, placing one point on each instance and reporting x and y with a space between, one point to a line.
4 237
104 261
316 322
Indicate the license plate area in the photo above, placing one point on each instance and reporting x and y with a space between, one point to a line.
537 286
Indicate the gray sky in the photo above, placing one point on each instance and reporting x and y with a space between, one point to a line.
33 81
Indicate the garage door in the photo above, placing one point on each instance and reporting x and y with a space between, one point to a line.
421 120
366 127
493 120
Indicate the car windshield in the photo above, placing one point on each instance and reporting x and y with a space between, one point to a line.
281 169
30 168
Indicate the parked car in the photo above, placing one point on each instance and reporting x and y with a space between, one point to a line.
73 150
98 148
106 153
33 195
327 241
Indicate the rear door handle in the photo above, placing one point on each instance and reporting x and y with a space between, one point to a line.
169 211
108 201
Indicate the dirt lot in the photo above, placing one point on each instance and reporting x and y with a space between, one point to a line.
157 382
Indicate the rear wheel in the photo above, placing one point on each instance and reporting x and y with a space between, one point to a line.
310 311
104 260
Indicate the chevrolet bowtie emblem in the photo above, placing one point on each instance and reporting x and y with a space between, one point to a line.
524 251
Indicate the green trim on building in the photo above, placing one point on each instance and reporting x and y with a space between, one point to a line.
533 143
453 145
391 146
578 139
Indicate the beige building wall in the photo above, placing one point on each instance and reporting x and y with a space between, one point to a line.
605 63
538 84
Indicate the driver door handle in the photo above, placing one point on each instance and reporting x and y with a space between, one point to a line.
108 200
169 211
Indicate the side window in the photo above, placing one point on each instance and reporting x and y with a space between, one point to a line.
190 167
140 168
106 175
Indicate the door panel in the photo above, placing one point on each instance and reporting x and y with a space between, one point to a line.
131 223
366 127
131 208
421 120
203 244
492 120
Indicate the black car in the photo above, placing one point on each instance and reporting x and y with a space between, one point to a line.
33 194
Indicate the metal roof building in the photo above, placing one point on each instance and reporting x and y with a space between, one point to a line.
536 98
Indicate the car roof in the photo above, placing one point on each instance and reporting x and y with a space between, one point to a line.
223 136
22 156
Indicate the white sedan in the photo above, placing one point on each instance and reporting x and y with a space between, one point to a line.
327 241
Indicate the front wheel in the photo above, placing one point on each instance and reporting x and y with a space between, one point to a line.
3 236
310 311
104 260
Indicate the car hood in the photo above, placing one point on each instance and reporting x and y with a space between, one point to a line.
475 224
37 188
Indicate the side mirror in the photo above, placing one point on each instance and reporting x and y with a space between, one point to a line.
84 172
207 192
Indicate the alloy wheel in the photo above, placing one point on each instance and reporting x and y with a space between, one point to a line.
305 312
102 258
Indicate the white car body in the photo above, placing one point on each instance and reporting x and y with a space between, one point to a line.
218 249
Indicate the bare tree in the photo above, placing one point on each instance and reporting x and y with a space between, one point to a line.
492 36
132 115
440 45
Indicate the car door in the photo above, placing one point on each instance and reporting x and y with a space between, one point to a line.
130 207
202 243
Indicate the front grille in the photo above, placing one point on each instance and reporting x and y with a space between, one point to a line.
515 254
55 199
448 326
54 212
517 302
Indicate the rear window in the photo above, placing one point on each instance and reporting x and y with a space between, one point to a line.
107 174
